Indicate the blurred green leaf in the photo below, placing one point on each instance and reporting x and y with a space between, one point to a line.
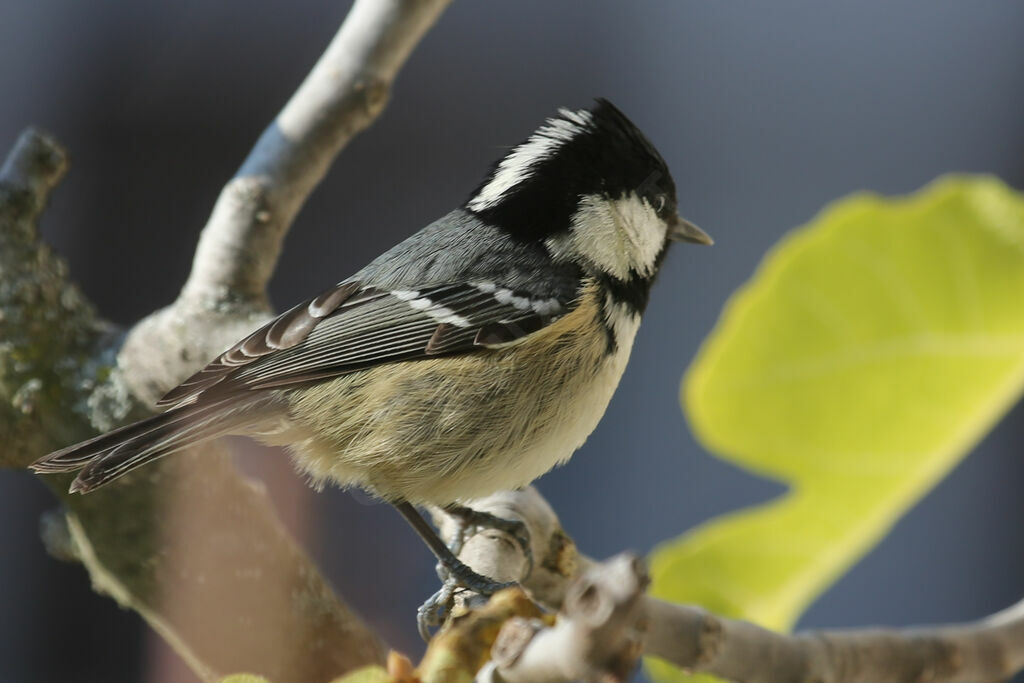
870 352
368 674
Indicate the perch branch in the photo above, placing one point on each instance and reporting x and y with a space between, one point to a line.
460 650
689 637
188 542
596 638
988 650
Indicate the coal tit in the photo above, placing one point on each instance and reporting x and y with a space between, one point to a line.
471 358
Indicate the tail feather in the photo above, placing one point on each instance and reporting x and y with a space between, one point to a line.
161 441
76 456
109 456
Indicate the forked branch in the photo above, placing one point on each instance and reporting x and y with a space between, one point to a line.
693 639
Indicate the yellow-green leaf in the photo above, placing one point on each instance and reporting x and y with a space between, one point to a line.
368 674
870 352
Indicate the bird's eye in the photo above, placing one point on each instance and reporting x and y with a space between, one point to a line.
661 203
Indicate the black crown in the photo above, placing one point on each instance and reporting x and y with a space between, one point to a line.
574 154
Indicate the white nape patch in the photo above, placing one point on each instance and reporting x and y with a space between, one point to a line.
521 161
617 235
441 314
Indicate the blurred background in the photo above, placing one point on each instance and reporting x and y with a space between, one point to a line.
764 111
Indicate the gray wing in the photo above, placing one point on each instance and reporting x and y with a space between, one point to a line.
462 248
351 327
435 293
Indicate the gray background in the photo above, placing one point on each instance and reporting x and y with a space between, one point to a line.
764 111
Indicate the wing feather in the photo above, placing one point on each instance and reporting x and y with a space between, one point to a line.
349 327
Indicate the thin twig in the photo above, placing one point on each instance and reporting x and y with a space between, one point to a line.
345 92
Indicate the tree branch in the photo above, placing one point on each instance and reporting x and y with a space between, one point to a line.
190 545
34 166
689 637
346 90
48 332
596 638
188 542
988 650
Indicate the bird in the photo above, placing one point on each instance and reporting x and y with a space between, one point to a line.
472 357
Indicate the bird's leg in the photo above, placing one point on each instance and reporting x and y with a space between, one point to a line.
459 575
468 517
467 577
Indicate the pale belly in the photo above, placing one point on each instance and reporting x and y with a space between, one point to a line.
408 432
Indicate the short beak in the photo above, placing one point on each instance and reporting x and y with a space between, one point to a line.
682 230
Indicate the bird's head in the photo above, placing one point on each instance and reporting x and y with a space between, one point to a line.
593 189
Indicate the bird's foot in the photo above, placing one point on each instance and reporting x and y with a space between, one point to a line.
455 577
471 520
454 574
428 615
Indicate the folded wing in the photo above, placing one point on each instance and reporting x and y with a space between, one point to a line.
350 328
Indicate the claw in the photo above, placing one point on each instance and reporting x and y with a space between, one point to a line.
428 615
468 517
453 573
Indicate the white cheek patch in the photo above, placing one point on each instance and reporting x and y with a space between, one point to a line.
644 229
520 162
618 236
